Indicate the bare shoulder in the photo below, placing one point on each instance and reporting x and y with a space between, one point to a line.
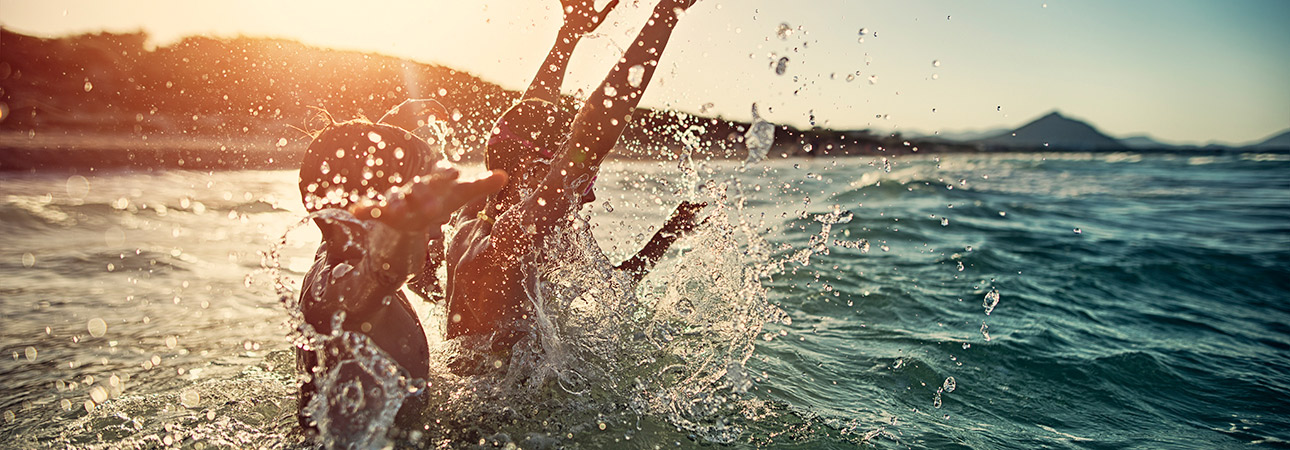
472 240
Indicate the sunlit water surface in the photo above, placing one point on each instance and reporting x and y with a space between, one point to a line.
965 301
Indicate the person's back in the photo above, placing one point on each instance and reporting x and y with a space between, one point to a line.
484 287
390 197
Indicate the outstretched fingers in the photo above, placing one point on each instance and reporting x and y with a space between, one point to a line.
580 16
600 16
684 218
430 202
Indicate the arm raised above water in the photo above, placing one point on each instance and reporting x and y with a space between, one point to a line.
580 18
683 221
596 130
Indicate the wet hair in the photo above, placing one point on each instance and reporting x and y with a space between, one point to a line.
528 133
355 160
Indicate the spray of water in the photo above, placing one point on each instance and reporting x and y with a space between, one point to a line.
598 348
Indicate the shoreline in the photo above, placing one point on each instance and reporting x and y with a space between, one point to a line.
31 152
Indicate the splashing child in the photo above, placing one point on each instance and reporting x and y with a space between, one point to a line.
399 195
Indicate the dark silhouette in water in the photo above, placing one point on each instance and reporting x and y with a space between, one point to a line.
400 194
391 181
549 181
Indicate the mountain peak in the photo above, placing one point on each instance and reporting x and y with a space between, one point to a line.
1281 140
1055 131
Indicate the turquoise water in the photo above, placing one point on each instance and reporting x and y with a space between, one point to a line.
1140 304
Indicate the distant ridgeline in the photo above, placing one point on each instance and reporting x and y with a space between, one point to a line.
109 100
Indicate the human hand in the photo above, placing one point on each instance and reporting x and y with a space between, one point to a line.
685 217
581 17
427 204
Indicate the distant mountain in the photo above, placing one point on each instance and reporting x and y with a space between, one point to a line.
1278 141
1056 132
1144 142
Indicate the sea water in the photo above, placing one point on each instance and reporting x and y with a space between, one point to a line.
953 301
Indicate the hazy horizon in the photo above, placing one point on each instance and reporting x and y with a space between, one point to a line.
1179 72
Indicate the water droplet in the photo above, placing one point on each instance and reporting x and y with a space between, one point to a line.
171 342
97 327
636 75
783 31
282 142
936 63
190 399
98 394
31 354
443 92
28 260
781 66
78 187
88 86
759 138
991 300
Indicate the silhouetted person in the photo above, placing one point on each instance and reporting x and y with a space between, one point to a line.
484 278
400 195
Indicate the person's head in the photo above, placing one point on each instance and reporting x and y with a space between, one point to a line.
524 141
349 162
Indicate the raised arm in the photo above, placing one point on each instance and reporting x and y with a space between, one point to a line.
684 220
580 18
596 129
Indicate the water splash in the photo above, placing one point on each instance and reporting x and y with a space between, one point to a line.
672 348
991 300
783 31
759 138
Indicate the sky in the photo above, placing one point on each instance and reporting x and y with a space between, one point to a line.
1180 71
